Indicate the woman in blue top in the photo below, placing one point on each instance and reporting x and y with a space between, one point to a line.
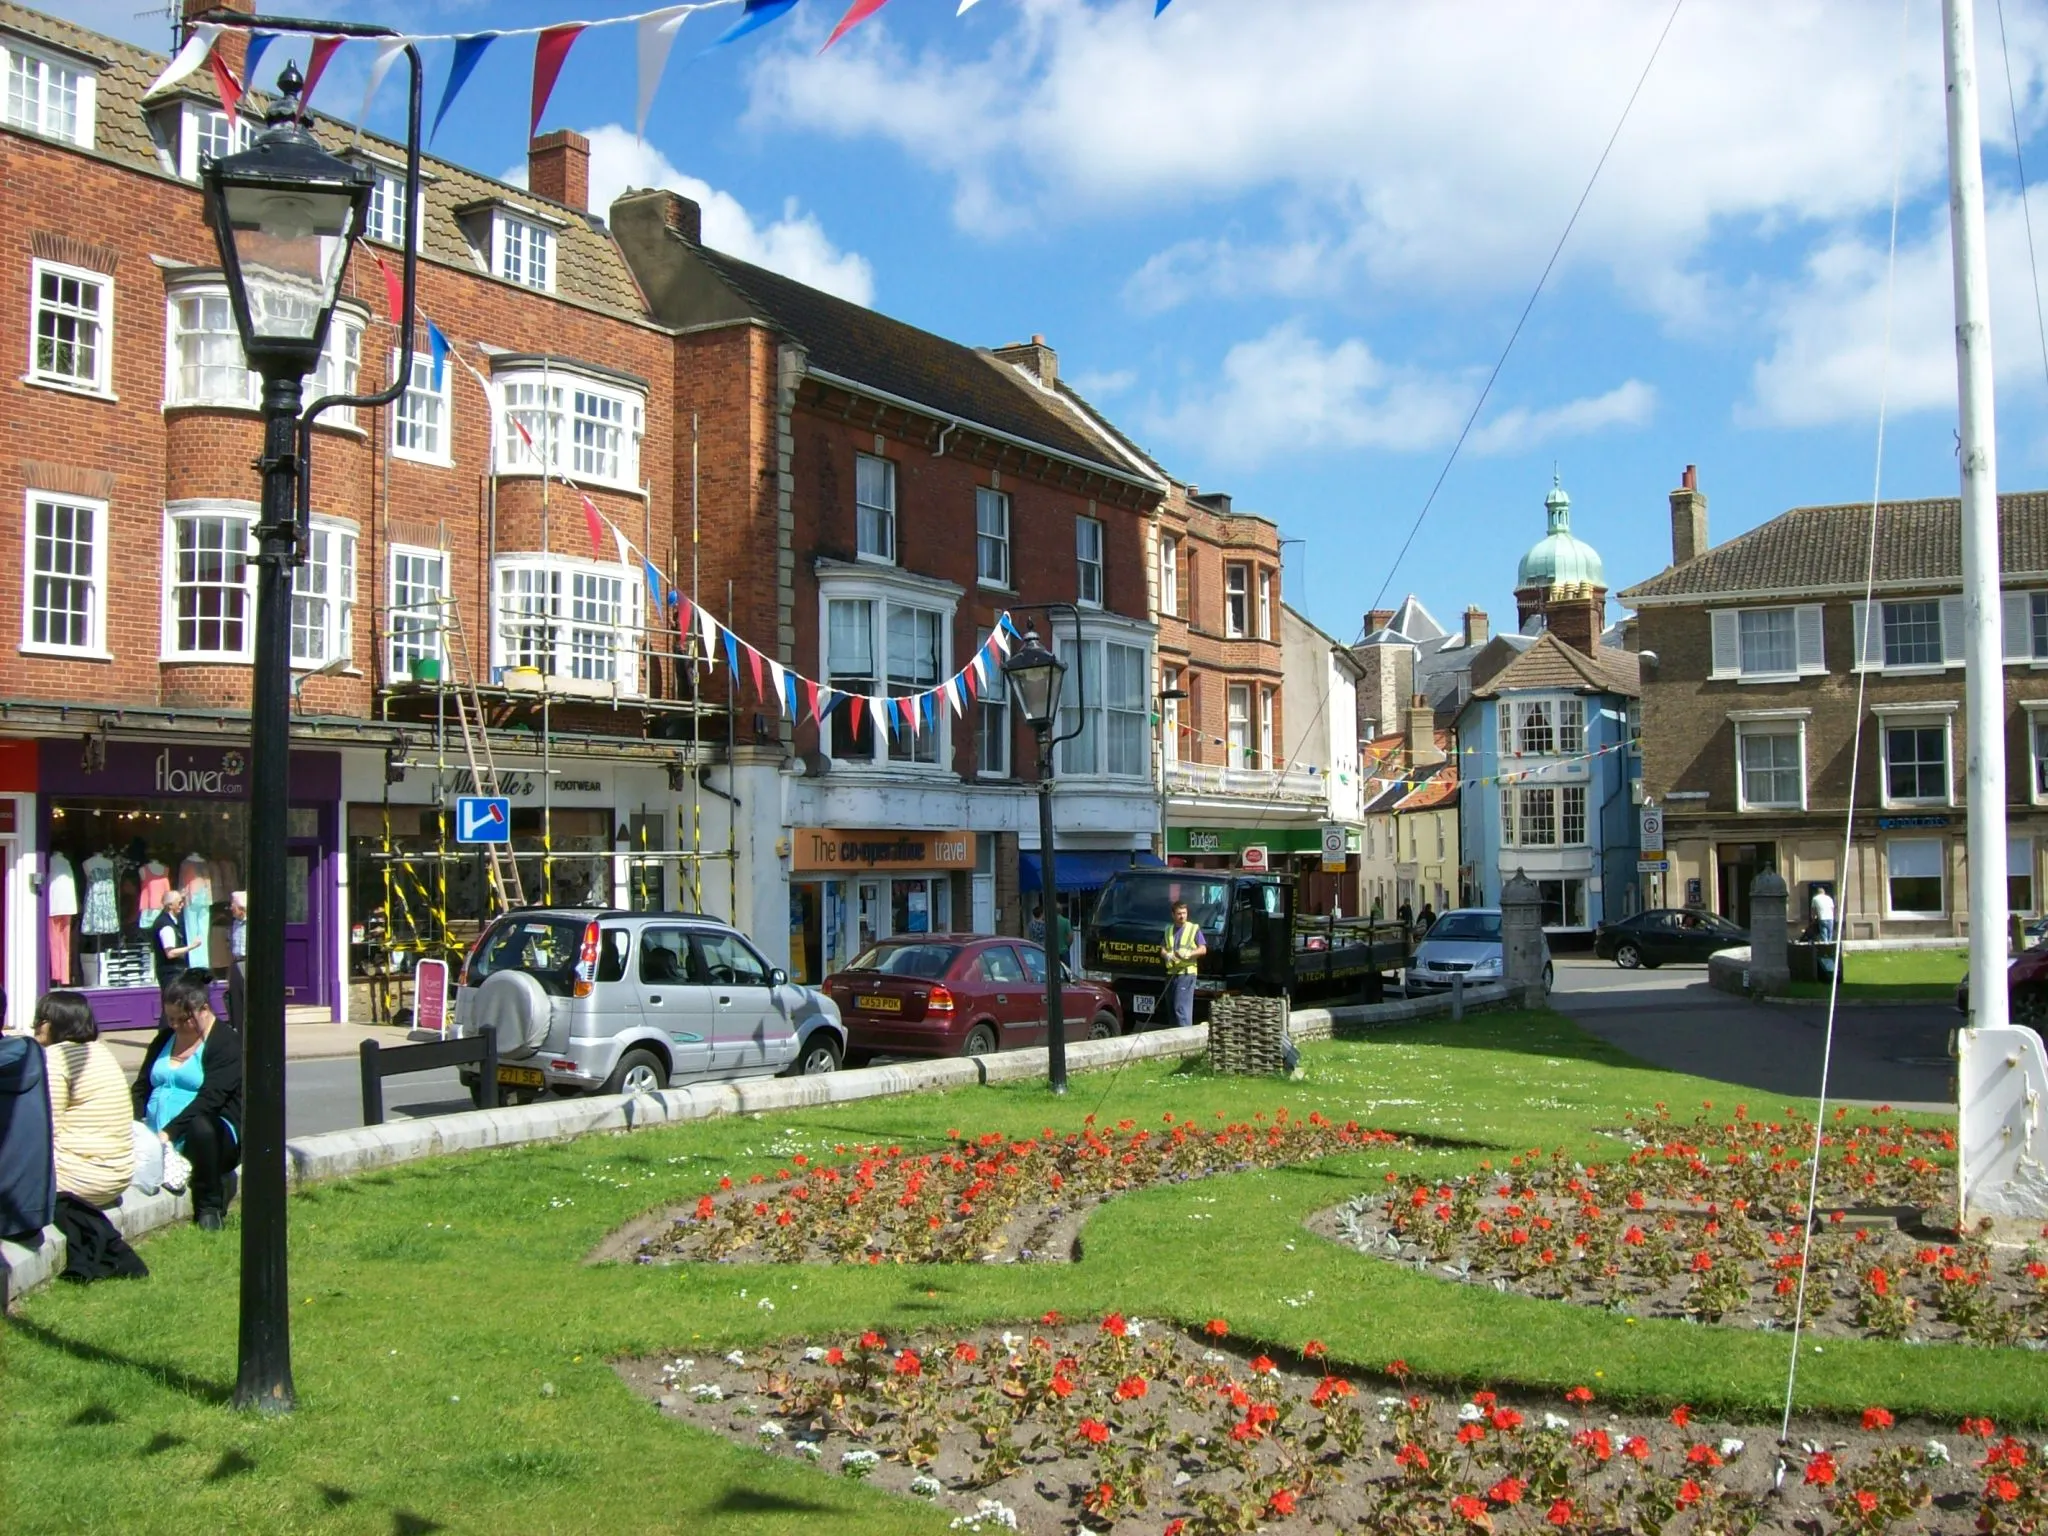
189 1092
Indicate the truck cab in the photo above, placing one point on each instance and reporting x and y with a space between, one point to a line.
1247 919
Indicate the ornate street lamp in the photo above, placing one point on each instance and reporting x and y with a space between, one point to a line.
285 214
1035 676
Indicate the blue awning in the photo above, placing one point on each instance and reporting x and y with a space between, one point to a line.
1080 869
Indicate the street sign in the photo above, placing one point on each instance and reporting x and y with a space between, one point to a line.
1334 847
430 996
483 819
1653 866
1653 829
1253 857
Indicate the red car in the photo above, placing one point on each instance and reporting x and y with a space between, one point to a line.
958 994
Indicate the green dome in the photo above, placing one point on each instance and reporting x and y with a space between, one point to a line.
1558 558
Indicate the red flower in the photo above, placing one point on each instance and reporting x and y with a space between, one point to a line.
1702 1262
1507 1491
835 1356
1877 1418
1595 1443
1051 1319
706 1207
1262 1365
1636 1200
1681 1415
1880 1282
1579 1396
1094 1431
1469 1509
1562 1513
1315 1349
907 1364
1471 1434
1130 1389
1689 1494
1061 1387
1866 1501
1174 1528
1115 1326
1634 1237
1821 1470
1216 1328
966 1353
1506 1420
871 1340
1398 1369
1282 1503
1636 1448
2002 1488
1414 1456
1703 1455
1983 1429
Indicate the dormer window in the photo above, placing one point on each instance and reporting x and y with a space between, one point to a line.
48 93
385 220
206 134
523 252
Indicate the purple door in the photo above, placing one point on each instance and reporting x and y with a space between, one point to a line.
302 971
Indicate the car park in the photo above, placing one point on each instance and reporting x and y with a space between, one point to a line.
587 1000
1666 936
1464 942
953 994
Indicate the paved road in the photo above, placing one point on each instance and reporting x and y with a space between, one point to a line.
328 1095
1671 1018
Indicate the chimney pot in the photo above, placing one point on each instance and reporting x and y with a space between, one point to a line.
1688 519
558 168
1037 359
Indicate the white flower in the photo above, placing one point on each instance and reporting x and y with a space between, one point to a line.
988 1514
1012 1340
708 1392
814 1354
1937 1453
926 1487
810 1448
1135 1328
857 1464
765 1304
1212 1357
1730 1448
1470 1413
768 1429
1552 1421
736 1358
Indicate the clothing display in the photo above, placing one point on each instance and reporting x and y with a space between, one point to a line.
102 915
156 885
60 951
60 888
196 882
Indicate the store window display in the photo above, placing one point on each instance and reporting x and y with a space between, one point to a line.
131 855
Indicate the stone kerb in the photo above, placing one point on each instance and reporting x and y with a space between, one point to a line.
339 1154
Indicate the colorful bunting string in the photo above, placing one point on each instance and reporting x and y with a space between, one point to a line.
856 13
550 50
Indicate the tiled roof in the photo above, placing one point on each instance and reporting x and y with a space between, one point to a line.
1813 550
1430 787
870 348
588 266
1550 663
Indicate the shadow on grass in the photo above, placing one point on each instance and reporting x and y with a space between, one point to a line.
233 1463
405 1523
334 1498
177 1379
752 1501
163 1440
90 1414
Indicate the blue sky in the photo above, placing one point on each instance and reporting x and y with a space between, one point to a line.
1283 241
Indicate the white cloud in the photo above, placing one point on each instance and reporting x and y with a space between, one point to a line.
1103 384
1432 148
1828 357
795 245
1287 392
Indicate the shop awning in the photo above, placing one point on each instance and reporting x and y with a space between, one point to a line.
1082 869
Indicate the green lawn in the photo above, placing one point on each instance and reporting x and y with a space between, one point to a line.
1898 975
451 1347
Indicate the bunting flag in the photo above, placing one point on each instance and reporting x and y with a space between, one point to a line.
757 15
657 31
710 627
594 521
754 665
197 50
394 290
324 49
789 706
966 6
550 50
225 82
686 614
653 581
625 549
258 42
856 13
732 651
812 693
389 52
777 678
1160 8
460 65
853 702
438 344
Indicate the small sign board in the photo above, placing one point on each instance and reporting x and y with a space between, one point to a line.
1653 829
483 819
1333 847
1653 866
1253 857
430 996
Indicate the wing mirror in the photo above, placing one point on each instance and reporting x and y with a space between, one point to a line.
778 977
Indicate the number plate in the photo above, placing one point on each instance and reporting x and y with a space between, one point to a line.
879 1004
523 1077
1142 1002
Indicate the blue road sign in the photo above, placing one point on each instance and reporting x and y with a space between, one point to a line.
483 819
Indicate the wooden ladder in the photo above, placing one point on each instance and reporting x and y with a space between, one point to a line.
506 890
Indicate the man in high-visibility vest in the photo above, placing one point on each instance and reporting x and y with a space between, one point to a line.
1183 950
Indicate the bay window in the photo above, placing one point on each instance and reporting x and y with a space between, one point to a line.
562 422
210 595
204 365
884 648
1551 816
1109 704
576 622
324 596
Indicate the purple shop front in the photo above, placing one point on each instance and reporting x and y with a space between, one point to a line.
124 822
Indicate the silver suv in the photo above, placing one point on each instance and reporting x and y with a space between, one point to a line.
587 1000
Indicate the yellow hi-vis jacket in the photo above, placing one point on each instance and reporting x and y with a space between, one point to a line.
1182 949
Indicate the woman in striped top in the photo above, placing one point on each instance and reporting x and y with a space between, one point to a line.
90 1108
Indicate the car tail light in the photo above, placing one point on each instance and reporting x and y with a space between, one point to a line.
941 1001
586 962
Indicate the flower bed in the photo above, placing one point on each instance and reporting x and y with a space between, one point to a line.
1707 1221
986 1198
1116 1425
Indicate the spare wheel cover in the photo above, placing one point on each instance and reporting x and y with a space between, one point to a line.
515 1007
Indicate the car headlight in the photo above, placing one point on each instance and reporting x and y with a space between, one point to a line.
1490 965
1101 978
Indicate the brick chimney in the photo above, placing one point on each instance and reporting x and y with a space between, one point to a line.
678 214
1477 627
1035 358
233 46
1688 518
558 168
1576 613
1377 619
1420 747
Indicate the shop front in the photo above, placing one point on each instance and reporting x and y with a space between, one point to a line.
1289 850
135 820
849 887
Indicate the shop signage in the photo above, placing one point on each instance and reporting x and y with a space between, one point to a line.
1223 840
1253 857
814 849
430 996
526 786
1909 823
1653 866
177 771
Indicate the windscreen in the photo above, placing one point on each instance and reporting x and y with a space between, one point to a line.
1467 925
926 961
540 946
1146 901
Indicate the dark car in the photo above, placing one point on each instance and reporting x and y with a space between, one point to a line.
958 994
1666 936
2026 989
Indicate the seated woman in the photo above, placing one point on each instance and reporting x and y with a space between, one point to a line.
189 1092
89 1106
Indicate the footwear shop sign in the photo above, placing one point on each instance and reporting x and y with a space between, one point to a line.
821 850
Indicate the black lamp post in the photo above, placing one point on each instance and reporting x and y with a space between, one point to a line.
1035 676
285 214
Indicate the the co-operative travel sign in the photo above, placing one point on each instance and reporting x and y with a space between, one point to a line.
483 819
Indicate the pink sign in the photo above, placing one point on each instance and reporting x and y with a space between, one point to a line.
430 996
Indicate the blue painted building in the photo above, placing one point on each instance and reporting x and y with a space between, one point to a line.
1547 749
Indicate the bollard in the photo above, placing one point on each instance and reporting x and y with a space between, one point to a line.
1770 963
1457 997
1521 938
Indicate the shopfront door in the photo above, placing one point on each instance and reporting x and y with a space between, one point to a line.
301 937
1740 864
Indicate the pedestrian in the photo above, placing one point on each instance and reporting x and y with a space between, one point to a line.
1824 913
1183 950
238 951
92 1120
28 1175
1425 919
189 1092
1036 931
1406 912
167 942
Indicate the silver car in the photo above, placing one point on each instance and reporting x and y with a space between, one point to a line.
1464 942
585 1000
